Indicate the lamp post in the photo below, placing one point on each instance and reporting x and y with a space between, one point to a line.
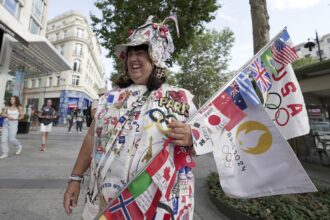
311 44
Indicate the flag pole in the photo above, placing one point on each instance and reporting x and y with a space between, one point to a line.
261 51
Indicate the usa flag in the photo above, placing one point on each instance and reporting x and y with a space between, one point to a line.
261 75
282 49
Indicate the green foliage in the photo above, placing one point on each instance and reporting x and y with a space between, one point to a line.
296 206
303 62
118 17
203 63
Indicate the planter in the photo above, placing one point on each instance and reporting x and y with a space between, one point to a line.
228 211
23 127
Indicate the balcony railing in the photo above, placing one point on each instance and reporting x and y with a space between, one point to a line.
69 36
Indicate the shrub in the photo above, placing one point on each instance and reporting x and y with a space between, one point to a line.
295 206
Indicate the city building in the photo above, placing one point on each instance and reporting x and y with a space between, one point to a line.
324 42
24 50
76 88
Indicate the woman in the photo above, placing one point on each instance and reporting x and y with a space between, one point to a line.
131 124
47 115
79 121
13 112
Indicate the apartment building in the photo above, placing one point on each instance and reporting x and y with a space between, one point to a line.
324 42
73 39
24 51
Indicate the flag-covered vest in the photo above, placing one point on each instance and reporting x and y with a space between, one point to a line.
143 134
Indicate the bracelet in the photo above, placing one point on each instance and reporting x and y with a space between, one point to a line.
79 179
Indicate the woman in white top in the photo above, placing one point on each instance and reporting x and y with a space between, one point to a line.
13 112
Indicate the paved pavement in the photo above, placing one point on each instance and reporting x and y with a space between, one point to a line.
32 184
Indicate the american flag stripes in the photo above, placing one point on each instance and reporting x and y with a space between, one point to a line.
282 49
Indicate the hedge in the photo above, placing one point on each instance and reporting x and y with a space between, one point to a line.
296 206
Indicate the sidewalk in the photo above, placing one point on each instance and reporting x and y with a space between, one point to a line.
32 184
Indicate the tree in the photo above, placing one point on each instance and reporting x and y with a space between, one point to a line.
118 17
203 64
303 62
260 25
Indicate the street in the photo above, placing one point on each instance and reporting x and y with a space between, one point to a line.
32 184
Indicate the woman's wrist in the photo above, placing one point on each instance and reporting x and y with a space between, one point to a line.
76 178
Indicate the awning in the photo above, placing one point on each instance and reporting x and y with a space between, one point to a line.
32 52
39 56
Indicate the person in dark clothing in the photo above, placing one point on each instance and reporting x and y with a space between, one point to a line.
46 116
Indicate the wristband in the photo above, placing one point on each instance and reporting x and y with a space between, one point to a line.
75 178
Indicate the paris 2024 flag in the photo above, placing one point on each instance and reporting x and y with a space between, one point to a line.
253 158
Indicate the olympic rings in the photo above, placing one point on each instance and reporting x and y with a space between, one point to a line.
155 114
273 106
277 115
158 116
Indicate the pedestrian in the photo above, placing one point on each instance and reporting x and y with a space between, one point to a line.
132 123
79 121
12 113
46 115
34 118
89 117
69 119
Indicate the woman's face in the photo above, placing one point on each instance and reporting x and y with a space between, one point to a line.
12 101
139 66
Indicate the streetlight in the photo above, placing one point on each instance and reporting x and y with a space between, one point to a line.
311 44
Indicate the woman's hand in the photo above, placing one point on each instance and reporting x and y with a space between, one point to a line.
180 132
71 196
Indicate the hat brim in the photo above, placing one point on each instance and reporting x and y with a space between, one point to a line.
119 49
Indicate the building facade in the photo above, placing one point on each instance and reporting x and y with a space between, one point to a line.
73 39
24 51
324 42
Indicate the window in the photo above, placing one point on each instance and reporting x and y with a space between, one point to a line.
57 36
58 79
65 33
39 82
50 81
34 83
75 80
78 50
34 27
38 8
80 33
328 40
318 53
62 49
76 66
12 6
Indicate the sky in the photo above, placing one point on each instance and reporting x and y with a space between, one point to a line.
302 18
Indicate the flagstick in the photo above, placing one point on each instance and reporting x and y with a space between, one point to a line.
189 119
261 51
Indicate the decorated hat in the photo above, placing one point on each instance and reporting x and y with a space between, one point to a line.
156 35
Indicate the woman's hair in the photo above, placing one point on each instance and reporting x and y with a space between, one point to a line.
153 82
17 102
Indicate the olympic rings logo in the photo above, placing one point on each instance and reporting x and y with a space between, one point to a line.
227 157
160 118
282 115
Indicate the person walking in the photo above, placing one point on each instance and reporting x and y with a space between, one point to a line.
69 119
46 115
12 113
138 118
79 121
